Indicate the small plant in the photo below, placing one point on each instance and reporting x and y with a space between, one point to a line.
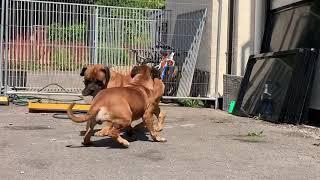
255 134
259 117
192 103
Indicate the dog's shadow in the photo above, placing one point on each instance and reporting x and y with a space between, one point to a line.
106 142
138 135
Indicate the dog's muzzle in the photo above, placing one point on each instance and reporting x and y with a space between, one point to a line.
92 88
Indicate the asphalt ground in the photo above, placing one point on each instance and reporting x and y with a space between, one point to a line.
202 144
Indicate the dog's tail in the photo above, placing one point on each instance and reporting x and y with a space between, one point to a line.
81 118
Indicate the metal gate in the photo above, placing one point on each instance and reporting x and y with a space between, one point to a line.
45 44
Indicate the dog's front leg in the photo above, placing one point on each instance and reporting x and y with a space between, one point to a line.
148 119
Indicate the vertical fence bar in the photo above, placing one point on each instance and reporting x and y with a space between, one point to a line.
125 41
23 70
106 34
63 40
118 21
24 45
70 28
113 26
78 42
6 59
121 54
49 42
59 39
43 40
4 12
28 43
96 30
54 37
73 49
87 32
15 46
39 37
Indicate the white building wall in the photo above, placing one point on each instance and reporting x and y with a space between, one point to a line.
243 42
219 48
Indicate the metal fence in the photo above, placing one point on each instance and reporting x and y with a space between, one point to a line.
45 44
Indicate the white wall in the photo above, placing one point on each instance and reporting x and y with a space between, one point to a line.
218 46
243 42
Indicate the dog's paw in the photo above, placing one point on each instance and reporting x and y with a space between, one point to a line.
122 141
125 144
158 129
160 139
98 134
87 143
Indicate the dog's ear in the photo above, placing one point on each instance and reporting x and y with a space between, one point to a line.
134 71
155 73
106 71
82 71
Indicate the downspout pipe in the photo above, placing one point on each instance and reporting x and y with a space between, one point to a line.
218 53
229 53
259 23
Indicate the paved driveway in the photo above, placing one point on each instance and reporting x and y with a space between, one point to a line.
202 144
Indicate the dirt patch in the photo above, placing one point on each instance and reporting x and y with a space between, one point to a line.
37 163
153 155
219 121
177 120
250 140
246 138
317 144
296 134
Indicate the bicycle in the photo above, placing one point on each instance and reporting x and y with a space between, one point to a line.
163 59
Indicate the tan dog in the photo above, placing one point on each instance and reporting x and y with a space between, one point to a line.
98 77
121 105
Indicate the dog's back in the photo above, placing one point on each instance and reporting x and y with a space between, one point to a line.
118 79
119 97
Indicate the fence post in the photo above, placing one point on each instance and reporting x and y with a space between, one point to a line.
1 42
4 55
96 30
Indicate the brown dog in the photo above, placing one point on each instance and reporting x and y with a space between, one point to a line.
121 105
98 77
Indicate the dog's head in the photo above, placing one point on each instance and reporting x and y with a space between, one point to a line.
145 70
144 75
96 78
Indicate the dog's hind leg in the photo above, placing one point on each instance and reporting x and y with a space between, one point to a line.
161 117
104 131
148 119
115 133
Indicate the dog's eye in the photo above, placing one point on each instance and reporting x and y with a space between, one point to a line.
100 83
86 82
